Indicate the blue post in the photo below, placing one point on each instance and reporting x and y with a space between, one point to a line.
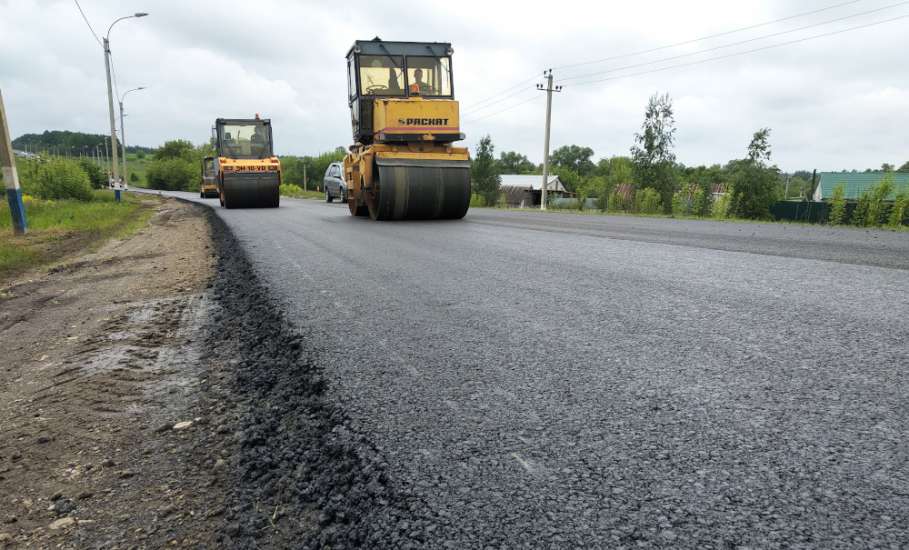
10 176
17 209
117 195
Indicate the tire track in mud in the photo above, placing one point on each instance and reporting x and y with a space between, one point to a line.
299 476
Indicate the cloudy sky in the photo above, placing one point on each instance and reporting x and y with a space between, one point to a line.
840 101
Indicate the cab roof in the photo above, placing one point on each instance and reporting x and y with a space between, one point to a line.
241 120
377 46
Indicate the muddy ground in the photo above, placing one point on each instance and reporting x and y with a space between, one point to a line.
100 393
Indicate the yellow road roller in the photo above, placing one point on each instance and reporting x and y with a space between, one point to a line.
248 172
403 164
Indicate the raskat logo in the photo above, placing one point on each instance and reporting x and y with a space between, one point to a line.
423 121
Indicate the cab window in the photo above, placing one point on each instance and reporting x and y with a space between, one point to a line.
381 75
429 76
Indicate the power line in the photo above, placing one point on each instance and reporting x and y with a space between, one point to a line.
500 111
84 18
721 57
473 106
733 44
708 37
500 100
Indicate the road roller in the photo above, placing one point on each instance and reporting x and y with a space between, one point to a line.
403 163
248 172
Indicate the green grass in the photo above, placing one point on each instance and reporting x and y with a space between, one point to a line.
58 229
294 191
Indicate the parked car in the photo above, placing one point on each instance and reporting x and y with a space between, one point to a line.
333 183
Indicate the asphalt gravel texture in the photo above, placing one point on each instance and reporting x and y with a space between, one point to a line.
523 379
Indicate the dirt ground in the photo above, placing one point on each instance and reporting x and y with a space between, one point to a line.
101 395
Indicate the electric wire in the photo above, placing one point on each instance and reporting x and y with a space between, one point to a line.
84 18
473 106
731 44
745 52
708 37
506 109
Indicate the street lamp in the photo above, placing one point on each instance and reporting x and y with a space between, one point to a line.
123 132
110 99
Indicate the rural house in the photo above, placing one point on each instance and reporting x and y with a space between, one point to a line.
525 191
856 183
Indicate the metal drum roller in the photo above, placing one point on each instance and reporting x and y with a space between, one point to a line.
251 190
411 189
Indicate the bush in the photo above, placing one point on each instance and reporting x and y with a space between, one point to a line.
290 190
872 209
899 211
172 174
133 177
838 206
720 207
603 200
63 179
754 189
477 201
95 174
648 201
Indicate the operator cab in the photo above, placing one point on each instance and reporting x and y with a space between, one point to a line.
243 138
394 70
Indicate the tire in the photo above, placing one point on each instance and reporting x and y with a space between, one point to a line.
328 197
343 196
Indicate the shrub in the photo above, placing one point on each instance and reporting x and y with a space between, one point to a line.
872 210
754 189
603 200
290 190
648 201
720 207
95 174
63 179
172 174
838 206
133 177
899 210
477 201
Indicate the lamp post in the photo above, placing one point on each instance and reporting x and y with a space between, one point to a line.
115 169
123 133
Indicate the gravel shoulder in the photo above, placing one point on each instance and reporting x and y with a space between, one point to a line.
99 365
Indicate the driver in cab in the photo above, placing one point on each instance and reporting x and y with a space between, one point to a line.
418 87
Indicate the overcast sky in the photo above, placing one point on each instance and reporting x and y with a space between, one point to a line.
836 102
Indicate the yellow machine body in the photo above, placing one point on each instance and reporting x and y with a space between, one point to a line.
405 120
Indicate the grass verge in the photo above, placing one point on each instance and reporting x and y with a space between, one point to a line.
58 229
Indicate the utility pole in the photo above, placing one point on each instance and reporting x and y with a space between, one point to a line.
548 89
10 176
115 175
115 168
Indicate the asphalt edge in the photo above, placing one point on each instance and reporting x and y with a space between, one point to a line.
298 475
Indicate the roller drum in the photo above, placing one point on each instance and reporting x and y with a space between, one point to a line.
251 190
420 189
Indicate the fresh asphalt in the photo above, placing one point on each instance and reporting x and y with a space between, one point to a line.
557 380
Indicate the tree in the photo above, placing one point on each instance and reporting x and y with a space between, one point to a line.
574 158
904 168
512 162
175 149
484 172
652 154
886 167
759 148
95 174
754 185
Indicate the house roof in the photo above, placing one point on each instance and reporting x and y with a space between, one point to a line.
532 181
857 183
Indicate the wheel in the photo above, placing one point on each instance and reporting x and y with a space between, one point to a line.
344 196
328 197
201 195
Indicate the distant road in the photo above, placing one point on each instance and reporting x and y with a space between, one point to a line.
563 380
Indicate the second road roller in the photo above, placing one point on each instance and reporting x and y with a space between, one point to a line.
403 164
248 172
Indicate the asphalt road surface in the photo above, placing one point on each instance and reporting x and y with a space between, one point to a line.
560 380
